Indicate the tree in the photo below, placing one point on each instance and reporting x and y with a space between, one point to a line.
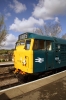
55 29
49 29
3 31
64 36
38 31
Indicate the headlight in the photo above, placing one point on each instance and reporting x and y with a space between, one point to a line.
24 62
12 59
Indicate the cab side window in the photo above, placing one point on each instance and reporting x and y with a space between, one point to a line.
49 45
42 45
39 45
36 45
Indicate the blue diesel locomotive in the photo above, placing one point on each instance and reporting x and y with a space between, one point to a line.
36 53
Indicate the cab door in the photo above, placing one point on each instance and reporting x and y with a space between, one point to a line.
49 55
39 56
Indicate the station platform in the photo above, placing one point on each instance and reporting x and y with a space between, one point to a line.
6 63
48 88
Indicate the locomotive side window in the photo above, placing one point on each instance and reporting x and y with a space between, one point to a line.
36 45
27 44
39 44
49 45
42 44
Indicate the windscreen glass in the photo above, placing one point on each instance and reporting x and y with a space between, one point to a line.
20 43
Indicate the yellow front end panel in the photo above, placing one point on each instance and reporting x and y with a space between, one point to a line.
23 60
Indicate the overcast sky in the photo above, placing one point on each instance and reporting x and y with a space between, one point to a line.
26 15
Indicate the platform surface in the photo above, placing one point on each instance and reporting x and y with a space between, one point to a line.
49 88
6 63
53 91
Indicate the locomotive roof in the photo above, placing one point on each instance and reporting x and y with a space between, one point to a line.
59 40
37 36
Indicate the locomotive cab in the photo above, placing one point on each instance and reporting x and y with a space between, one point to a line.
23 56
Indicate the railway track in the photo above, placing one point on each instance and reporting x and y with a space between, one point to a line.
7 78
9 83
4 76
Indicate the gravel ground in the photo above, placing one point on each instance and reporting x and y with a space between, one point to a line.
8 81
5 69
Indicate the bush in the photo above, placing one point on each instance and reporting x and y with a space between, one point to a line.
3 60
